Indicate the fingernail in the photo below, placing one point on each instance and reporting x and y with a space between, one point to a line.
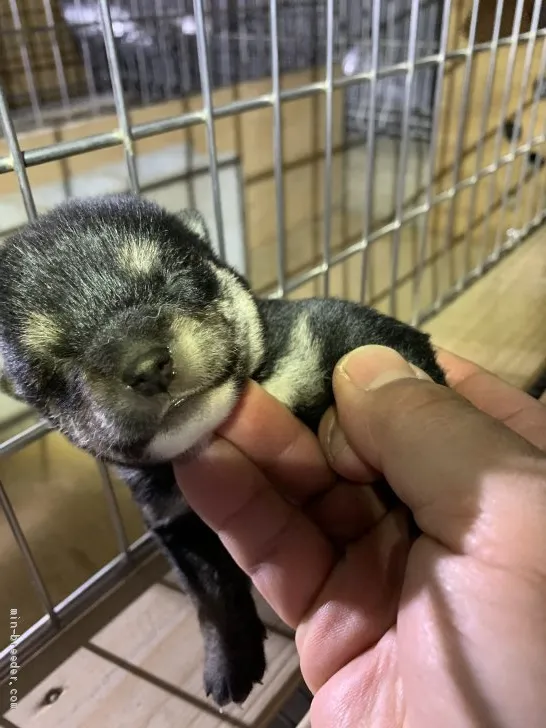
371 367
335 439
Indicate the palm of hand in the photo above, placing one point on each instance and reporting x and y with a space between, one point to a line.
412 650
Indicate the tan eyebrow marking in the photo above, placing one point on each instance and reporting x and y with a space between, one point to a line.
40 333
139 256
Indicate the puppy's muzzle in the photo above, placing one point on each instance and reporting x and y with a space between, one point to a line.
149 371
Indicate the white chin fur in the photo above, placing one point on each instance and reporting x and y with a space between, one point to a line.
214 408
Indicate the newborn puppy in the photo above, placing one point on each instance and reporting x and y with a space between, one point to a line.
121 326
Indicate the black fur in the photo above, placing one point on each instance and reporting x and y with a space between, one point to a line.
73 308
232 630
340 326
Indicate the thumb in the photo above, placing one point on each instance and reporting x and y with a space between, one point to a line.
457 469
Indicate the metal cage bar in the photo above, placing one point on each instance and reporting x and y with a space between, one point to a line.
88 70
370 147
114 510
57 58
460 140
208 117
486 107
23 438
278 149
541 197
525 167
59 151
16 156
119 97
297 281
518 13
25 59
30 562
403 160
416 294
329 132
518 115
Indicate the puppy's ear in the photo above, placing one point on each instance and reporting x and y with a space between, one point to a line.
195 222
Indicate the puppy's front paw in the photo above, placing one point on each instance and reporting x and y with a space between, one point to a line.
232 671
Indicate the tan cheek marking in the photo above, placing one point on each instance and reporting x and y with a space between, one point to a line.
41 333
196 348
189 340
239 303
139 256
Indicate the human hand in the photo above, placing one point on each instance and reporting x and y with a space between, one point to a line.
449 630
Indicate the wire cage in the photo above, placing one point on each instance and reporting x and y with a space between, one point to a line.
158 56
389 151
398 41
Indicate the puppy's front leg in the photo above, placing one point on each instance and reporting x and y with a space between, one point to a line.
232 631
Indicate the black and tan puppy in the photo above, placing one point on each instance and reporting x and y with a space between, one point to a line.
120 325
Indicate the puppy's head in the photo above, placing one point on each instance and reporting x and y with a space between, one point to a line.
120 325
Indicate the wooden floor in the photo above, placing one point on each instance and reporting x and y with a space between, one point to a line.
499 321
136 660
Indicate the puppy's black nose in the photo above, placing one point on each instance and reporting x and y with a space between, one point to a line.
150 372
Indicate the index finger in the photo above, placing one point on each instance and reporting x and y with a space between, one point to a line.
516 409
285 553
279 444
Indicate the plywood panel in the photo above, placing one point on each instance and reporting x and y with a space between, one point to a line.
304 201
250 135
304 248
